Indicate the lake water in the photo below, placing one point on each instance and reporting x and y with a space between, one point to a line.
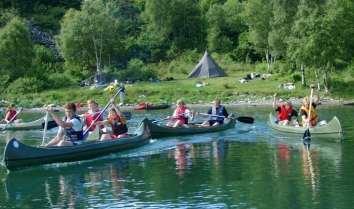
250 166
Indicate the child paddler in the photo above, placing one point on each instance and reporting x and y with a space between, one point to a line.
91 115
116 123
11 114
180 115
285 111
70 127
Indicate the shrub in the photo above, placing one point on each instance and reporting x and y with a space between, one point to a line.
296 77
136 71
58 80
26 85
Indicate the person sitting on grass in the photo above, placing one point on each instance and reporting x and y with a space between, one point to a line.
217 113
180 115
285 111
117 125
70 128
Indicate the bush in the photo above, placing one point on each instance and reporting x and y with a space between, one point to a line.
136 71
58 80
296 77
26 85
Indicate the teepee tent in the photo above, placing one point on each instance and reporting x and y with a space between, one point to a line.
206 68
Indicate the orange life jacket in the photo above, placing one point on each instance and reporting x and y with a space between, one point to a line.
314 116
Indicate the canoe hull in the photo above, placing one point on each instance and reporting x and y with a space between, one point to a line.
37 124
158 131
331 128
18 155
152 107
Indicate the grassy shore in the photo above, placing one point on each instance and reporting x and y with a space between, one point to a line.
229 89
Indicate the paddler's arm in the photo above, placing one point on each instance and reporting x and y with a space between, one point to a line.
58 120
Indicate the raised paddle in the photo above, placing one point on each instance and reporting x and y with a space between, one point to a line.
307 135
45 127
102 111
243 119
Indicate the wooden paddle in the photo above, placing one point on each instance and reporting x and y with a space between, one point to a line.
102 111
243 119
307 135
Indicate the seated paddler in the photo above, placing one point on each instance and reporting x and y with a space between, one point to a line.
116 125
70 127
92 114
180 115
217 113
285 112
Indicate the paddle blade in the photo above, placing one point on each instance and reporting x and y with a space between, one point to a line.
307 135
51 124
245 119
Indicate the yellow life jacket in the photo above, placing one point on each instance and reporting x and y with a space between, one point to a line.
314 116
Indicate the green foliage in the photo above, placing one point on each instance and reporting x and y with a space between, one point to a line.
58 80
296 77
136 71
16 49
25 85
90 38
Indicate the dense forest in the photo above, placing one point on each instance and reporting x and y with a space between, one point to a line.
50 43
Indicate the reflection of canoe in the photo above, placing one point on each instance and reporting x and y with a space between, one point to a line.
332 127
158 130
37 124
17 154
147 106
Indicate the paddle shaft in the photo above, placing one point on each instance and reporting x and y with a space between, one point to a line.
45 128
310 109
242 119
102 111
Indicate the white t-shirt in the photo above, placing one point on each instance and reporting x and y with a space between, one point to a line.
77 125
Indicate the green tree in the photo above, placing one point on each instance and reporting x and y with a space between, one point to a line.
16 49
224 26
283 13
90 38
171 27
258 14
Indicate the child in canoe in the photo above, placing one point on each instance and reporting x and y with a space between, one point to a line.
91 115
117 125
70 127
180 115
11 114
285 112
305 110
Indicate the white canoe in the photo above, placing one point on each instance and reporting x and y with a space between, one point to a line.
332 127
37 124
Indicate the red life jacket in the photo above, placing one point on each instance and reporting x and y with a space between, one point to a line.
118 125
284 113
90 117
11 115
179 114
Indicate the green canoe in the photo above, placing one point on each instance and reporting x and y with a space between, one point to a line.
37 124
18 155
158 130
332 127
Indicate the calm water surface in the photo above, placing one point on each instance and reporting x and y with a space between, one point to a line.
250 166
